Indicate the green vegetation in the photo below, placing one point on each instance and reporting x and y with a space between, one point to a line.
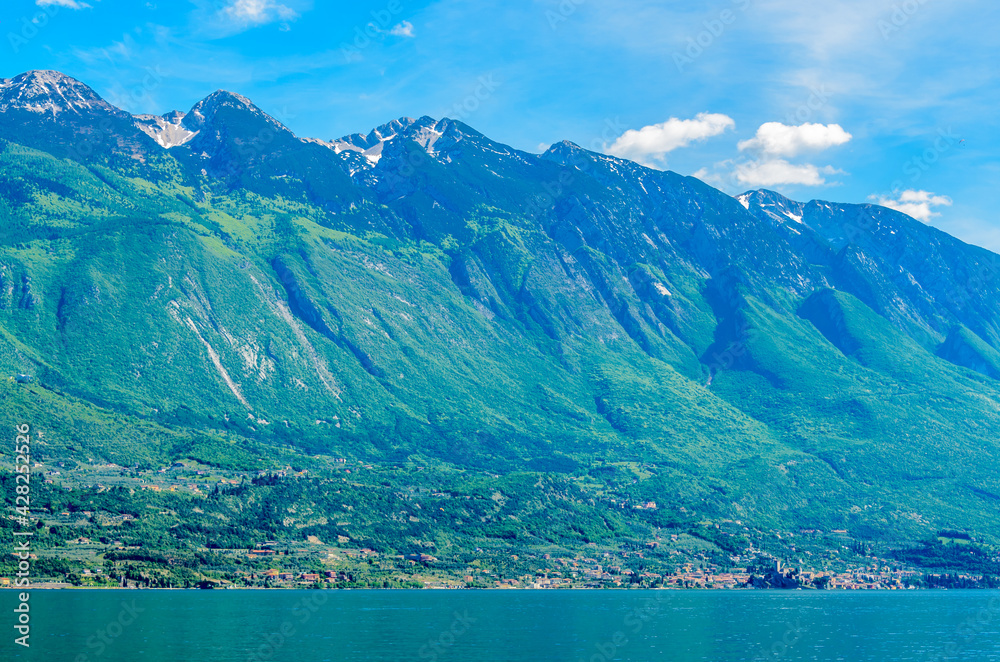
548 370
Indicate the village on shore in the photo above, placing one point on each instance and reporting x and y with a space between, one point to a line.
422 571
820 560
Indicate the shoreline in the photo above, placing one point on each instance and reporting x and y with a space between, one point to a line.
57 587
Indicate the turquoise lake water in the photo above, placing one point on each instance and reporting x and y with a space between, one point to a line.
498 626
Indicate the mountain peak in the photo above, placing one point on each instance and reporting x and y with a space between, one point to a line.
47 77
225 97
774 206
205 111
566 152
562 147
425 131
50 93
387 131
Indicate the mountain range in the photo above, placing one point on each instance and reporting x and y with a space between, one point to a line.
208 285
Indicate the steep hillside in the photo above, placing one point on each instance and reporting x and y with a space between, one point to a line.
207 285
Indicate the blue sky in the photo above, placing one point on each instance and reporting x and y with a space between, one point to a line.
893 101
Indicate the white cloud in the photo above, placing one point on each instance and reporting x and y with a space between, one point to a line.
652 143
714 177
918 204
70 4
257 12
776 172
777 139
404 29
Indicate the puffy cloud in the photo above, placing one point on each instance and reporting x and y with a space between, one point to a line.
776 172
404 29
918 204
257 12
652 143
777 139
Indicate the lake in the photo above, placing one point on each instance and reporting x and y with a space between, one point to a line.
505 626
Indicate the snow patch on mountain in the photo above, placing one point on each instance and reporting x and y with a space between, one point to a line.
370 146
426 136
51 93
775 207
167 130
425 131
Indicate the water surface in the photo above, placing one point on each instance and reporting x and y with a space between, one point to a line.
505 626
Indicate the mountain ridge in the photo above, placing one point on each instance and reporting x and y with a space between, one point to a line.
422 291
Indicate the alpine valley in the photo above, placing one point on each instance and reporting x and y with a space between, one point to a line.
421 357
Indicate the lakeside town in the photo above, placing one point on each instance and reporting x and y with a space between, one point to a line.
92 547
420 571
